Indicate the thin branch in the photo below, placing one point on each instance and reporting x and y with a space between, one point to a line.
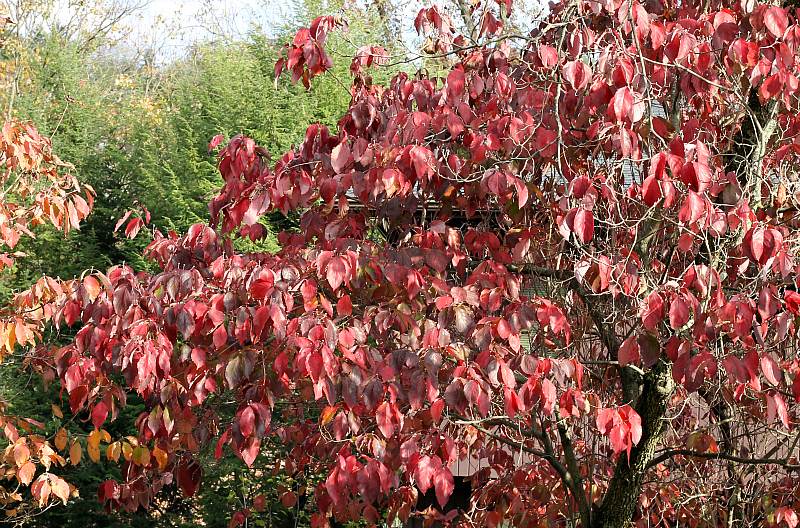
575 473
783 462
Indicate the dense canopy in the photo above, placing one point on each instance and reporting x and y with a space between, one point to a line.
570 259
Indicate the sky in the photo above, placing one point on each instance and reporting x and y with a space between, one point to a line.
234 17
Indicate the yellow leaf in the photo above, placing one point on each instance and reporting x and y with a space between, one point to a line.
10 337
106 437
75 452
127 450
57 411
61 439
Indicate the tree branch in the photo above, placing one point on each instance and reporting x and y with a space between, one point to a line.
574 471
722 456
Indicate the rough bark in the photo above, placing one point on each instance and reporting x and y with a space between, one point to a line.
622 497
466 17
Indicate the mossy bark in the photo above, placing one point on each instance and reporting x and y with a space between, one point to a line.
622 497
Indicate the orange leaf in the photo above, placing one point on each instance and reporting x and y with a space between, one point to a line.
113 451
327 415
92 287
26 472
94 439
127 450
57 411
161 458
21 454
10 337
60 488
75 453
61 439
93 447
11 432
41 489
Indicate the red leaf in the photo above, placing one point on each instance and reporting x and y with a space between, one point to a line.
220 445
549 56
437 259
693 208
472 391
634 421
301 36
787 515
92 286
99 415
455 84
260 502
454 124
606 418
546 141
424 473
768 303
328 190
122 220
215 142
444 483
771 370
678 313
628 351
792 301
41 489
761 244
383 416
649 349
622 103
780 407
220 337
771 86
246 421
26 472
620 437
60 488
583 225
344 306
577 73
336 272
340 156
133 227
549 396
652 310
776 21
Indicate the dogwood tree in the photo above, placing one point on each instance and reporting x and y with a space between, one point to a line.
569 260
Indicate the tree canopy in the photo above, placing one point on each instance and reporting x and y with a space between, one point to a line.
569 260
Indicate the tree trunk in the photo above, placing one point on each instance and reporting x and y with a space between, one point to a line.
625 487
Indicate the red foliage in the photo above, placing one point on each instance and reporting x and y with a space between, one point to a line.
552 256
